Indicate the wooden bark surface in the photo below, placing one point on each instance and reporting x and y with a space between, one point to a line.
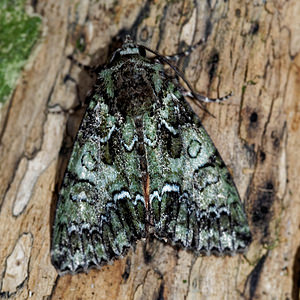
253 49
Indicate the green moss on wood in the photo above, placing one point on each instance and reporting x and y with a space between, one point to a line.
18 34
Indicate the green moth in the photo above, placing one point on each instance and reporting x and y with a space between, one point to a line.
143 165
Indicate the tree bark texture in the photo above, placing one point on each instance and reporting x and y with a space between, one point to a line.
251 48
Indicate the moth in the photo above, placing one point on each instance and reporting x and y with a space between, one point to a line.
143 165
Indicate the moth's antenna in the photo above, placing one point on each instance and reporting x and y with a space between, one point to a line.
188 51
179 73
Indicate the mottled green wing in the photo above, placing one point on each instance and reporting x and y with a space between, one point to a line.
100 210
193 200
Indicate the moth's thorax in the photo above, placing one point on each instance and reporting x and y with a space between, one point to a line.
134 86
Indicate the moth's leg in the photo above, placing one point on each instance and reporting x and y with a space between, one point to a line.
90 70
57 108
81 102
187 52
202 98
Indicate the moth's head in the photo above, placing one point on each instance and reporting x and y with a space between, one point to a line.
129 48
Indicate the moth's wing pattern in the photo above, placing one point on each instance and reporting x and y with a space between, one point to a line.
194 201
100 210
140 146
